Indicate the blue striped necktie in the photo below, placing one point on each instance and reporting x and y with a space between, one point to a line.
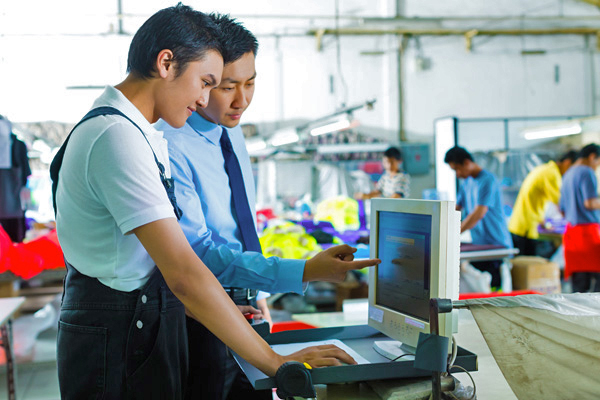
239 197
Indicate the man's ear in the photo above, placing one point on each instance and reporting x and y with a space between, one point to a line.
165 64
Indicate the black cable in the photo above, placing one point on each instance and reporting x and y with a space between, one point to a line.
402 355
472 380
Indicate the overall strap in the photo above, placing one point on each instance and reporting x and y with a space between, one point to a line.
107 110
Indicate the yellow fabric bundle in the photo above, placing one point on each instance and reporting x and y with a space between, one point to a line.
288 240
341 211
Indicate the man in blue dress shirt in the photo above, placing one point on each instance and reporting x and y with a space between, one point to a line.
480 197
209 221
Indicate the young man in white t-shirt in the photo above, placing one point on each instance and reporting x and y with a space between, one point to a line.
132 276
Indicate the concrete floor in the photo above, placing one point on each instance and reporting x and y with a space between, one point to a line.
36 379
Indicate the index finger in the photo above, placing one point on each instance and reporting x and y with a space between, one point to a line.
359 264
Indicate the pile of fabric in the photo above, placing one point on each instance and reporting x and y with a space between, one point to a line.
29 259
548 347
288 240
341 211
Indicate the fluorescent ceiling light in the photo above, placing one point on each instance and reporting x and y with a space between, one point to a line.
343 123
284 136
553 131
351 148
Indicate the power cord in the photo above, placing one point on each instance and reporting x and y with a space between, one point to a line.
472 380
452 358
402 355
451 365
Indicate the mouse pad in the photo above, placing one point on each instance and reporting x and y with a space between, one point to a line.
289 348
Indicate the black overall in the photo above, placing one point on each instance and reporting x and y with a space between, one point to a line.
120 345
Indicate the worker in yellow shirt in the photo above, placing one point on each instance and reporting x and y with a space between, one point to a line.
539 187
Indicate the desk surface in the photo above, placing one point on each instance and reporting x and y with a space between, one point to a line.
490 383
8 306
331 319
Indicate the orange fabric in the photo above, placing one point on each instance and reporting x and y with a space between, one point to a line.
24 263
48 248
582 248
29 259
5 249
290 326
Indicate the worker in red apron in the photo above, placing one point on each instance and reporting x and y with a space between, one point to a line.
132 276
579 202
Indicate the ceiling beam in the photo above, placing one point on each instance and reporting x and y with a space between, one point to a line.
461 32
467 34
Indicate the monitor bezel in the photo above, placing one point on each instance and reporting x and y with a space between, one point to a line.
443 280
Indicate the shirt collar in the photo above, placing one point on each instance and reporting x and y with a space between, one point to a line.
113 97
211 131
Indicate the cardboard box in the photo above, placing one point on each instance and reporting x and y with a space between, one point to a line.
9 288
535 273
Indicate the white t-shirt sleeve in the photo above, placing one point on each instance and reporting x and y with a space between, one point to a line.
124 176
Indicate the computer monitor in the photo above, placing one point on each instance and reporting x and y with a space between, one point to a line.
418 242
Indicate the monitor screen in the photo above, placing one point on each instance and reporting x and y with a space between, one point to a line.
403 277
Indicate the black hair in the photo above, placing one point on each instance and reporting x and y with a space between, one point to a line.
457 155
188 33
591 148
569 155
393 152
235 39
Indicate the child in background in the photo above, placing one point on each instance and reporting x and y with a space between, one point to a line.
393 183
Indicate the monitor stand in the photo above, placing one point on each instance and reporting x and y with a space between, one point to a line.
392 349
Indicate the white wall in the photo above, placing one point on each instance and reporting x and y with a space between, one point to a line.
45 47
36 71
496 80
294 80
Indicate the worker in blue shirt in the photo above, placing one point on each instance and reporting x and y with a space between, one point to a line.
580 204
213 220
480 198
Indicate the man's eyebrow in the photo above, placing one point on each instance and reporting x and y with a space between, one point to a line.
213 80
231 80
